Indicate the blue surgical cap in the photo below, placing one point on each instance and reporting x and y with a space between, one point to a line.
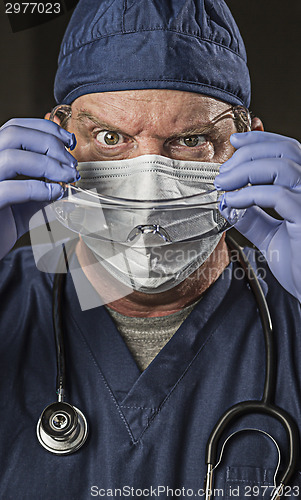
190 45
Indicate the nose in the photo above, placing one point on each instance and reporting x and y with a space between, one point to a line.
149 146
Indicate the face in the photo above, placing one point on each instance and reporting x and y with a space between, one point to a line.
179 125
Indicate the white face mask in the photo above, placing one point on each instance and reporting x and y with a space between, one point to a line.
150 246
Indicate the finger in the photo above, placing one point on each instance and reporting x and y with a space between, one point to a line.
15 137
278 171
12 192
286 203
256 136
15 162
255 225
284 148
46 126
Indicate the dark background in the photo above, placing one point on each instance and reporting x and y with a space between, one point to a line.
270 28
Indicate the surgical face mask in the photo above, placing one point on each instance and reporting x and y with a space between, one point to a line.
150 221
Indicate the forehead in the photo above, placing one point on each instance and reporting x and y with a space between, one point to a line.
150 108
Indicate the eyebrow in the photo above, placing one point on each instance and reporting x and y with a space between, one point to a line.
196 130
83 115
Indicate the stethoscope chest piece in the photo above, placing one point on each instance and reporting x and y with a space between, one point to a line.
62 428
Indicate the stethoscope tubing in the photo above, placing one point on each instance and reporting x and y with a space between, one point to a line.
265 405
57 318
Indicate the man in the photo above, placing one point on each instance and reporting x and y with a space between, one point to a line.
166 79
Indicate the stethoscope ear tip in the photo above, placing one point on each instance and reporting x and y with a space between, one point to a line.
62 429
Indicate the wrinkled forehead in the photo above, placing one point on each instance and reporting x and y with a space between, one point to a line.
151 107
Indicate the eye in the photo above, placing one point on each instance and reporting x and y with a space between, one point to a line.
192 141
109 138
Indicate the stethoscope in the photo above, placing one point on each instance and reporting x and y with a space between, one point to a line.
62 428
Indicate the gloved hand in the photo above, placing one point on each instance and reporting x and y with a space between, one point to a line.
34 148
272 164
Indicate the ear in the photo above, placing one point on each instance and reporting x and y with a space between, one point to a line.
257 124
55 119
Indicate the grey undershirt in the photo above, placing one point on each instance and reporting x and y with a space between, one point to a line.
145 337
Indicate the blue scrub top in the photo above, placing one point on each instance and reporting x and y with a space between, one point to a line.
147 431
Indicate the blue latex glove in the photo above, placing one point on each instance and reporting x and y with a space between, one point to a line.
272 164
34 148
